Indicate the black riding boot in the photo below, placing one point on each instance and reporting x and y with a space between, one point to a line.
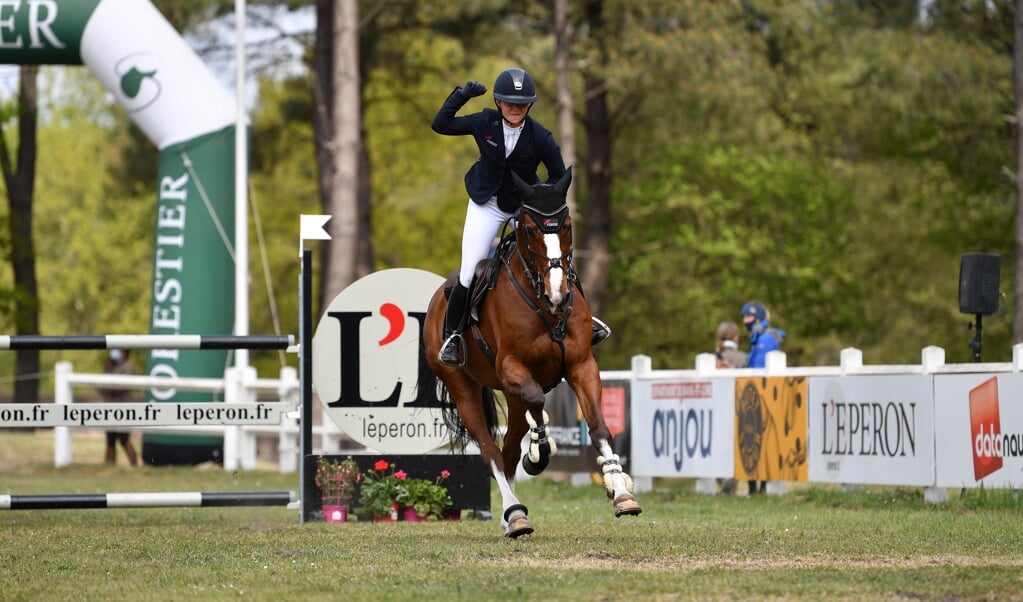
452 352
600 331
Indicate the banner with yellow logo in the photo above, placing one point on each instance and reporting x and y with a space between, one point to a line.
771 426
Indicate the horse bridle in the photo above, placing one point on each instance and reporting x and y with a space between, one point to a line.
549 223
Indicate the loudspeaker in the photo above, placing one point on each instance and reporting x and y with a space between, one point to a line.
979 275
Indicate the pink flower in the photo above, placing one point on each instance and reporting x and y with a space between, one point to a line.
444 474
401 475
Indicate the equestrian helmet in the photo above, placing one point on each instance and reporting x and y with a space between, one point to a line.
755 309
515 86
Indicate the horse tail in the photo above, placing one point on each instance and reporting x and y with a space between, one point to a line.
459 435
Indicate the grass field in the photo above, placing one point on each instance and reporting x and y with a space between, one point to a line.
811 544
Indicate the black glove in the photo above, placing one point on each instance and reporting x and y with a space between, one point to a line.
473 88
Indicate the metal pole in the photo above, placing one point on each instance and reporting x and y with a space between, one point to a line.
241 190
306 484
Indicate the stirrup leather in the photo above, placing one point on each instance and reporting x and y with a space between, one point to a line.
600 331
452 352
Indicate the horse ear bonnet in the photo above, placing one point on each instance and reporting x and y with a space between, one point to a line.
546 204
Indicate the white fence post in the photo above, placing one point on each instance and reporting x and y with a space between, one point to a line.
232 433
62 395
247 441
641 365
288 434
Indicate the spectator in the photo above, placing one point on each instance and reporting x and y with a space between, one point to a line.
762 340
727 351
728 356
762 337
118 363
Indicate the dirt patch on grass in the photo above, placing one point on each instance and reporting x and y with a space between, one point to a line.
609 561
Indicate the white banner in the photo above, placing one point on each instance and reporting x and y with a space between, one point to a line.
367 363
132 415
871 430
979 425
683 428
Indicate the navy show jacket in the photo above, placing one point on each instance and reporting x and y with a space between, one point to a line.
489 175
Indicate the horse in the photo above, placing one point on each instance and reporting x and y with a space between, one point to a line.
529 327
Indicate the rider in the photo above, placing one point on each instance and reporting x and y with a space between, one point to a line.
508 139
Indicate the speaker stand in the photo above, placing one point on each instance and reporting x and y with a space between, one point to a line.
975 343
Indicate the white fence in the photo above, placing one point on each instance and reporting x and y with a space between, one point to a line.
237 387
931 424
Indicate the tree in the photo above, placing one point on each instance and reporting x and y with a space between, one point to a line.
20 179
340 150
1017 81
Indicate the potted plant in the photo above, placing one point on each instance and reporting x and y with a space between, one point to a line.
425 499
379 492
336 481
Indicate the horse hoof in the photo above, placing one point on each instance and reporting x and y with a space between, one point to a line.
517 527
626 505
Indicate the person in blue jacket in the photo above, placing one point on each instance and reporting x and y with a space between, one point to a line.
763 338
508 140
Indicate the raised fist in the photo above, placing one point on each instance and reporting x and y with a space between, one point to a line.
473 88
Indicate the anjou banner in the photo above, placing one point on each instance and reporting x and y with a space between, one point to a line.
175 99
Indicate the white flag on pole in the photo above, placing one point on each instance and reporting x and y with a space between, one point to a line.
312 227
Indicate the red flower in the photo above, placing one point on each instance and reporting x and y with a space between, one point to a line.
381 465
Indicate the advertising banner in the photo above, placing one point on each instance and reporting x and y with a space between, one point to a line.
366 363
771 431
176 100
874 429
979 430
570 430
683 427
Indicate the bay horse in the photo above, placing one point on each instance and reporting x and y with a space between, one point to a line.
529 327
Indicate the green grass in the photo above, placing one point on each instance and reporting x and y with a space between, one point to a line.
811 544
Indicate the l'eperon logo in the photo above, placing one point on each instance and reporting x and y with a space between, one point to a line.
367 363
139 85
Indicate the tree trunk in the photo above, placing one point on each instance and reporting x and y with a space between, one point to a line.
342 160
323 102
1017 80
20 181
596 221
564 104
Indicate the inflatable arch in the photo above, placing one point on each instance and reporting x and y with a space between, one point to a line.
190 117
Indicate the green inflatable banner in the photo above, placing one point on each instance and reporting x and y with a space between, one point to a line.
175 99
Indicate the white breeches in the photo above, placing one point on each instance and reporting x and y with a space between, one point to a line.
481 225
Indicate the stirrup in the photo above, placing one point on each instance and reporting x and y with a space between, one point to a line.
600 331
452 352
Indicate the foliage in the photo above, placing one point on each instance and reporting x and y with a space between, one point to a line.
337 480
384 486
831 159
380 488
429 498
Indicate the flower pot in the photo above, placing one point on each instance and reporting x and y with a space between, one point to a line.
335 514
390 518
410 515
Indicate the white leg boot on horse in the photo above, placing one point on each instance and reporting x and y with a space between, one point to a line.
541 446
514 516
617 482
